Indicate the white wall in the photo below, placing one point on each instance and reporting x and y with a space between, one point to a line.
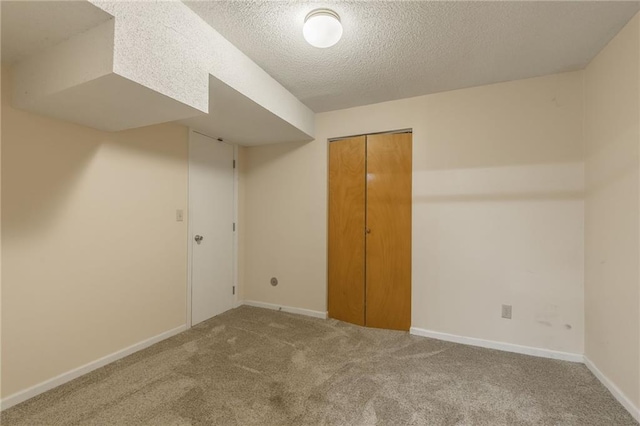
93 258
497 210
612 281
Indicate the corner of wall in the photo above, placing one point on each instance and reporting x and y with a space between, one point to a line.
611 133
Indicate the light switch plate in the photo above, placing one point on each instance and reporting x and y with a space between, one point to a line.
179 215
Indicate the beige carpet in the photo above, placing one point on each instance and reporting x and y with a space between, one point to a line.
252 366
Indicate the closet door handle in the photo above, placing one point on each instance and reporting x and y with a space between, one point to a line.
367 230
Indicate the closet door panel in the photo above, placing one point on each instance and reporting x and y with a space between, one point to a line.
388 238
346 230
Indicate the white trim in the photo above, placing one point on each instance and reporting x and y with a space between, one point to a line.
615 391
236 192
289 309
35 390
502 346
189 232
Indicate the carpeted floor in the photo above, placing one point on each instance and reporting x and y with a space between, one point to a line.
252 366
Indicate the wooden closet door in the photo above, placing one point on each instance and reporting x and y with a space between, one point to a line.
346 229
388 241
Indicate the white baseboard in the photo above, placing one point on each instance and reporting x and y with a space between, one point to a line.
491 344
289 309
544 353
28 393
615 391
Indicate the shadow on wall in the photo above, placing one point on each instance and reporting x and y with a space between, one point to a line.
40 168
541 196
508 183
508 124
45 161
612 162
266 155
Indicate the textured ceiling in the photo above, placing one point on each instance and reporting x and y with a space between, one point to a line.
392 50
148 62
31 26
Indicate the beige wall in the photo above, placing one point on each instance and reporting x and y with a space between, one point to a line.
612 280
93 258
497 210
285 224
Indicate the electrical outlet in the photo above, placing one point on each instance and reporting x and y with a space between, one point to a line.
506 311
179 216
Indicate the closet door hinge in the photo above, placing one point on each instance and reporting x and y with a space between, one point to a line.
234 227
234 164
234 290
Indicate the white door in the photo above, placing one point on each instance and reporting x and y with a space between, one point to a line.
211 206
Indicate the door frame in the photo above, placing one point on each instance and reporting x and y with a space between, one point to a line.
338 138
388 132
189 225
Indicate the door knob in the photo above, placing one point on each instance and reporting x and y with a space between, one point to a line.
367 230
199 238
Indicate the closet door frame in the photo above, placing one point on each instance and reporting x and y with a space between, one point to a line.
336 139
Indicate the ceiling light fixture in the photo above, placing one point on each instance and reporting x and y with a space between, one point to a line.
322 28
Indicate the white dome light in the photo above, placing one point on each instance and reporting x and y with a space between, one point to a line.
322 28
